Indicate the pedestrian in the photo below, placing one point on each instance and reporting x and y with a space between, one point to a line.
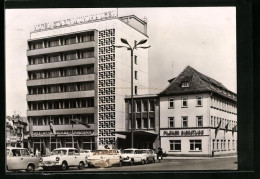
160 154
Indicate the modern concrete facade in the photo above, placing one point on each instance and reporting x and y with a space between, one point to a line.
191 109
74 72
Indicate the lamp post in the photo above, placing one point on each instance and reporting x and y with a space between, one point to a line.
128 47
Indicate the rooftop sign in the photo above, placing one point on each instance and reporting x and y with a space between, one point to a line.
74 21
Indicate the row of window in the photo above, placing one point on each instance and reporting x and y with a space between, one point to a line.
61 104
144 123
195 145
143 106
61 57
223 105
184 102
58 41
61 72
61 88
225 123
62 120
184 121
223 145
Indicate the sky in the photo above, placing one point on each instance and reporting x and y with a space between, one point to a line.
201 37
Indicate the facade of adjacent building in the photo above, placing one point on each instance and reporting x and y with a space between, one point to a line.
17 131
146 125
74 72
198 116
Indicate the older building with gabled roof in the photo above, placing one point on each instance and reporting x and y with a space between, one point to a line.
198 116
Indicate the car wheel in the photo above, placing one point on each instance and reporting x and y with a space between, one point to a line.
81 165
120 163
64 166
132 162
143 162
30 168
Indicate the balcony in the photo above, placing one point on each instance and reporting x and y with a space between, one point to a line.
61 64
62 48
63 127
51 112
59 80
65 95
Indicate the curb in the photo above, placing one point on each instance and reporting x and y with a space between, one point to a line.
198 158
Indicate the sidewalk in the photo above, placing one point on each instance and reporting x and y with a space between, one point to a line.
198 158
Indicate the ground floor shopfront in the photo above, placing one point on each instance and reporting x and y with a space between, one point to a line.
49 143
204 142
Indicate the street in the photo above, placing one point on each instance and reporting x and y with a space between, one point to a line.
165 165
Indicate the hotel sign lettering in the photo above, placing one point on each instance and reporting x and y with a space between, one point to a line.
75 21
63 133
184 133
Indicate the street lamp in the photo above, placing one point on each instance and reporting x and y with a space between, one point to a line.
135 47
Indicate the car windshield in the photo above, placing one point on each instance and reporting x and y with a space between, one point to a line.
144 151
101 152
84 151
128 152
59 152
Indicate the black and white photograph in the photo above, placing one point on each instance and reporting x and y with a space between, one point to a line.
121 89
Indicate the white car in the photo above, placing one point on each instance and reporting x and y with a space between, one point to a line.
20 159
63 158
150 155
105 158
132 156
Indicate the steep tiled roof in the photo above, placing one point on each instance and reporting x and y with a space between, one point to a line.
198 82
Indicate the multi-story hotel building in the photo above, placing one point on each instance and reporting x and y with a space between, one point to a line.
74 72
198 116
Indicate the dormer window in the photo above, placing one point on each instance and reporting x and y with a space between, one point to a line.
185 84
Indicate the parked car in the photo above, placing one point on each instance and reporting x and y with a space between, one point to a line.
63 158
20 159
150 155
105 158
86 154
132 156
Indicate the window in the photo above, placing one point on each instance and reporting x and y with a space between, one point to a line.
151 121
71 56
151 105
184 121
199 101
171 122
55 143
199 121
136 75
54 43
228 144
138 106
135 59
138 123
214 144
145 106
88 143
87 38
135 90
71 40
184 102
87 54
185 84
175 145
195 145
145 123
171 103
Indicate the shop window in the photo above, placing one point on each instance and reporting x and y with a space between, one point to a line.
184 121
88 143
199 121
195 145
171 103
55 143
68 143
171 122
184 102
175 145
199 101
